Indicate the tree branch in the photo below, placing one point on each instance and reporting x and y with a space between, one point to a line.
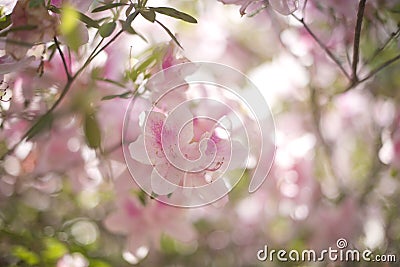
379 68
323 46
62 58
357 34
385 44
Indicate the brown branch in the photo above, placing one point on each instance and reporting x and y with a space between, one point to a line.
373 73
381 67
323 46
62 58
357 34
385 44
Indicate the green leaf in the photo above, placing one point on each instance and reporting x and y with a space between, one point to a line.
54 9
36 3
128 28
3 148
92 131
44 123
69 20
88 21
123 95
174 13
107 29
22 28
98 263
19 28
129 10
5 22
111 82
54 249
108 6
25 255
131 17
170 33
148 14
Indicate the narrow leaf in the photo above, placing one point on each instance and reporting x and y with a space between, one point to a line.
174 13
88 21
148 14
92 131
129 10
131 17
107 29
128 28
108 6
170 33
123 95
111 82
40 125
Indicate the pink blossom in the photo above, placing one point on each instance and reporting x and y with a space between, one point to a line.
73 260
8 64
81 5
144 223
178 162
285 7
7 6
23 15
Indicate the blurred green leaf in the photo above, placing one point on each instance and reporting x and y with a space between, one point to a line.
170 33
142 67
43 123
5 22
98 263
25 255
36 3
123 95
108 6
54 250
3 148
107 29
148 14
174 13
21 28
111 82
54 9
92 131
69 20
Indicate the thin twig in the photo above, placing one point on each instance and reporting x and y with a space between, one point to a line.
385 44
95 54
69 77
357 34
323 46
372 73
381 67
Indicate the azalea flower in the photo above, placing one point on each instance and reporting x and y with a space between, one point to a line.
285 7
144 222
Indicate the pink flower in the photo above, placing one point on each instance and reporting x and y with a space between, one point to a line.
23 14
178 159
144 222
73 260
7 6
8 64
285 7
81 5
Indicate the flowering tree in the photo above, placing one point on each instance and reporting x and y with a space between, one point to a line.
95 148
